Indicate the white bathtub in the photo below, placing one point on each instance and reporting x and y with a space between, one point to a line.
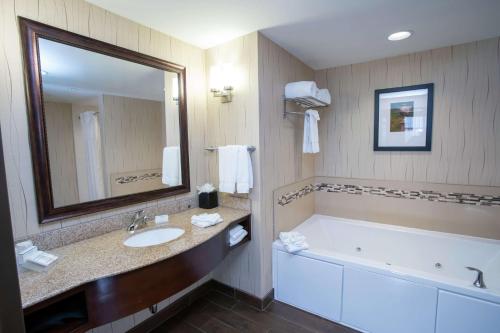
387 279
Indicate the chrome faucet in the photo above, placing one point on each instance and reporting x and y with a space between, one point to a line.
138 221
479 282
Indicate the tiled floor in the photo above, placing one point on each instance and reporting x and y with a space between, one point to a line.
220 313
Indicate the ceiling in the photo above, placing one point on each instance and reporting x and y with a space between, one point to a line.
76 75
322 33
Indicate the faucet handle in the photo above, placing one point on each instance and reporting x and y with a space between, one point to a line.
479 282
139 214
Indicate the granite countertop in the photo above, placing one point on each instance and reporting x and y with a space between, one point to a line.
105 255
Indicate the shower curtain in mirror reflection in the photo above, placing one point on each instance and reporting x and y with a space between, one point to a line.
89 121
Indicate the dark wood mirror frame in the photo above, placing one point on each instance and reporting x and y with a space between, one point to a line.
31 31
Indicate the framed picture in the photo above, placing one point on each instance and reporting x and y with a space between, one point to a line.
403 118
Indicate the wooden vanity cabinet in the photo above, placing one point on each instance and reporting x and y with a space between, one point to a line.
102 301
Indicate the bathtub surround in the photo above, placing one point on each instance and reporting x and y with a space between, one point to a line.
464 159
461 209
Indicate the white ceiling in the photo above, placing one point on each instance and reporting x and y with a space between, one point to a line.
75 75
322 33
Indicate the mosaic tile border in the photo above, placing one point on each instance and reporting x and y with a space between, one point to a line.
452 197
133 179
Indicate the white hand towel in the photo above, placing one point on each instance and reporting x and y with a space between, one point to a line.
293 241
324 96
300 89
206 220
311 140
171 170
235 230
228 163
239 239
244 173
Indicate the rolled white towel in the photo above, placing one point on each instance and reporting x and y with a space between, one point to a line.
206 220
235 241
301 89
324 96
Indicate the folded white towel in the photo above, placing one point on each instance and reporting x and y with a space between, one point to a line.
293 241
235 241
235 230
228 164
244 173
311 140
206 220
296 247
324 96
171 170
301 89
238 234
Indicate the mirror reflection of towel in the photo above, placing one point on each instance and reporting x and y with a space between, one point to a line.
171 171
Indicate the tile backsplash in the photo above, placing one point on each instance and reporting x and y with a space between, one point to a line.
94 225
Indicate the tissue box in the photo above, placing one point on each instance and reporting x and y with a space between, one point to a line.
208 200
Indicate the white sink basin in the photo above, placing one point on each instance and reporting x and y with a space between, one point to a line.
153 237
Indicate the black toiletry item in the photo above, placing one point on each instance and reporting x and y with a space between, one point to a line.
208 200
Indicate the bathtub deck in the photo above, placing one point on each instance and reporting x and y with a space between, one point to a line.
218 312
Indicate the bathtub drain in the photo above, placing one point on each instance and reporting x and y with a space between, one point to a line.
438 265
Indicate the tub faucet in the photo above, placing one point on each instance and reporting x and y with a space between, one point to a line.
479 282
138 221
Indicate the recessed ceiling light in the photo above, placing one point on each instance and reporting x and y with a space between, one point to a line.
44 73
400 35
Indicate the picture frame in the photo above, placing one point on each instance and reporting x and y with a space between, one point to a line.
403 118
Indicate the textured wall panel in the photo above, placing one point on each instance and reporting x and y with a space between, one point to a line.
466 127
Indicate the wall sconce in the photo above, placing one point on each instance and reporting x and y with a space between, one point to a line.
220 82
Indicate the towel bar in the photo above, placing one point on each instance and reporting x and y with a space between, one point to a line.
212 149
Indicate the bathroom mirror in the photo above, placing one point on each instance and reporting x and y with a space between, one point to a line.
108 125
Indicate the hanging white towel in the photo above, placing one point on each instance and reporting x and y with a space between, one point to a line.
244 173
324 96
311 140
228 164
171 170
301 89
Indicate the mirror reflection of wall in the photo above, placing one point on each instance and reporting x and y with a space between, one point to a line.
112 125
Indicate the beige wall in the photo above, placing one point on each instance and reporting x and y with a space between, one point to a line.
82 18
255 116
59 123
238 123
282 160
466 126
